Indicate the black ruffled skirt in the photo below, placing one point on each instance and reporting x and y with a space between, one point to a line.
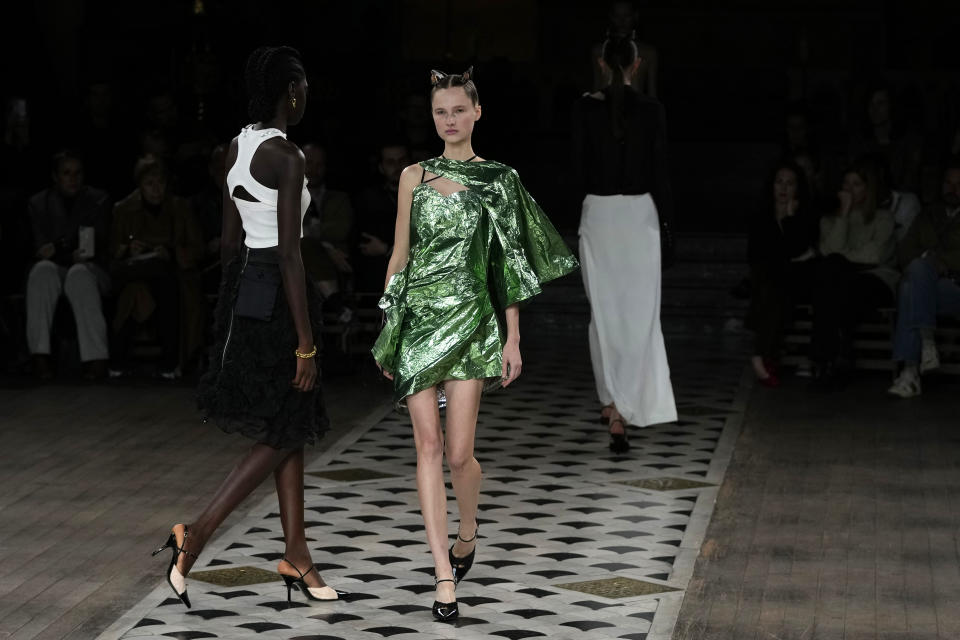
247 387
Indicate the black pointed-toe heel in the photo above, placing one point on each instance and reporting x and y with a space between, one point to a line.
445 611
462 565
317 594
618 441
171 544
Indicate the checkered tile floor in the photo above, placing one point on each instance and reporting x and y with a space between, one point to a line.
556 510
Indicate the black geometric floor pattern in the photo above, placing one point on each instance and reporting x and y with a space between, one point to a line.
553 510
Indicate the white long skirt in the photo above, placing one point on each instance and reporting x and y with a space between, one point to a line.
620 262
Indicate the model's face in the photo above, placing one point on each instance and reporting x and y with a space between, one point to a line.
856 187
785 186
951 188
68 177
298 91
153 188
454 114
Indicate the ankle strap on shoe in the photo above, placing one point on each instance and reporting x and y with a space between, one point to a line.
437 581
461 539
183 547
303 574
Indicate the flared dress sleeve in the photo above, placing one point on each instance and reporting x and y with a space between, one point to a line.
393 305
527 250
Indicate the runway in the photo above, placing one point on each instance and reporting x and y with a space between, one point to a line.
574 541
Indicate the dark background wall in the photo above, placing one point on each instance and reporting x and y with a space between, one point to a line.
727 70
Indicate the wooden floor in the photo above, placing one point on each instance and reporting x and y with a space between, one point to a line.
838 518
92 477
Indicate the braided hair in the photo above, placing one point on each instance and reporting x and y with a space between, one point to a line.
269 70
618 53
441 80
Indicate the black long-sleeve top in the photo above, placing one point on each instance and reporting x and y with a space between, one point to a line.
773 245
635 164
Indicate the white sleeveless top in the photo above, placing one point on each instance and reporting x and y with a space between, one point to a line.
259 218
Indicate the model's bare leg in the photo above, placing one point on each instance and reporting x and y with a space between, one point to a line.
252 469
289 479
428 437
463 403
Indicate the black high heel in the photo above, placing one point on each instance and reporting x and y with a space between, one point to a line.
317 594
445 611
171 543
462 565
618 441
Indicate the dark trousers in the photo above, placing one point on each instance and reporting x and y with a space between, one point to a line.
774 290
165 290
843 295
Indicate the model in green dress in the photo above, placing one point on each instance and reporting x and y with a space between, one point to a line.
470 245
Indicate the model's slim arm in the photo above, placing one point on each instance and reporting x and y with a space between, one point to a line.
290 185
401 234
512 362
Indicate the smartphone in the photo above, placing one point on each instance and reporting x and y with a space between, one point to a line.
87 242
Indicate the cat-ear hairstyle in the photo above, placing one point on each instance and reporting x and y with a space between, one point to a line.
436 77
466 75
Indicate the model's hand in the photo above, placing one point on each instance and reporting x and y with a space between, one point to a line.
373 246
306 374
386 374
512 363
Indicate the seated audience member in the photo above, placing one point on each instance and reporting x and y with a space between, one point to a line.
70 223
157 246
376 217
208 209
326 230
904 206
886 133
856 273
930 257
781 242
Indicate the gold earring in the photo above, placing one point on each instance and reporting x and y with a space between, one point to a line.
293 103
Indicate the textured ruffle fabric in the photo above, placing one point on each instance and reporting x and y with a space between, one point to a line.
247 387
472 254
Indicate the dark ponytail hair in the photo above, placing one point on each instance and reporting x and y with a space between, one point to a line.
269 70
617 53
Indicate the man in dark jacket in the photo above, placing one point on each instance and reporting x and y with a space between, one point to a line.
70 222
930 286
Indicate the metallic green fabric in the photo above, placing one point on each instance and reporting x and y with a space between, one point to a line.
472 254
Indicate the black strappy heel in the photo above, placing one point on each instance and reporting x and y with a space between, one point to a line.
302 587
445 611
171 543
462 565
618 441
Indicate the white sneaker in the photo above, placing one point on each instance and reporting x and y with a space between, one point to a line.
905 386
929 358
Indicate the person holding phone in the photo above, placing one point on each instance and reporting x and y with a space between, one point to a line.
69 221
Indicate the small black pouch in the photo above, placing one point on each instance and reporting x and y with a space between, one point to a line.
257 294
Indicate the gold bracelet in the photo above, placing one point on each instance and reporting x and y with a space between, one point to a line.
306 355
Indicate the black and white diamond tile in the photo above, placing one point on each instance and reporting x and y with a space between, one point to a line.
556 508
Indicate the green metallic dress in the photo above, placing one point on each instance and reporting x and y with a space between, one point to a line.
473 253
